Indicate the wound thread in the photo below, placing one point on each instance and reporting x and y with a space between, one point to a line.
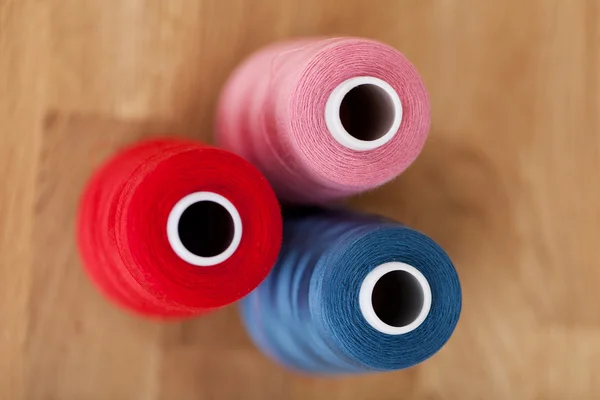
308 316
127 246
324 119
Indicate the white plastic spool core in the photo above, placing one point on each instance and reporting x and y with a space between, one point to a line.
395 298
363 113
204 229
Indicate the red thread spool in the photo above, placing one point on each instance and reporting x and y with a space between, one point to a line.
173 228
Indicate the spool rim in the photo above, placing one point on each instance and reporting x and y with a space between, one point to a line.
334 121
366 293
173 229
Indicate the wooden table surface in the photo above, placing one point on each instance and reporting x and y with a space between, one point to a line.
508 183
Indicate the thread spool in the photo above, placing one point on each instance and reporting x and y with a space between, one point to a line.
353 293
173 228
325 119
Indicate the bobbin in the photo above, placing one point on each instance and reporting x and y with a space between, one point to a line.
363 113
404 280
230 241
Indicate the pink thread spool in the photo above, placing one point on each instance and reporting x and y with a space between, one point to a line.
325 119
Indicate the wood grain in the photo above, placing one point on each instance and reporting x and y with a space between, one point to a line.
507 183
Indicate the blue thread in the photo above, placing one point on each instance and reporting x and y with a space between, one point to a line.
306 314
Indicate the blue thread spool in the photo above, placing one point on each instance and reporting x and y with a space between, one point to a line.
353 293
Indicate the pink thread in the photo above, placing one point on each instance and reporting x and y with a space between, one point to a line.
272 112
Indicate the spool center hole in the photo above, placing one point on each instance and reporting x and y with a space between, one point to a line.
206 229
398 298
367 112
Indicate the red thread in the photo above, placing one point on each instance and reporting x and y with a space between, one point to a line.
122 228
273 112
